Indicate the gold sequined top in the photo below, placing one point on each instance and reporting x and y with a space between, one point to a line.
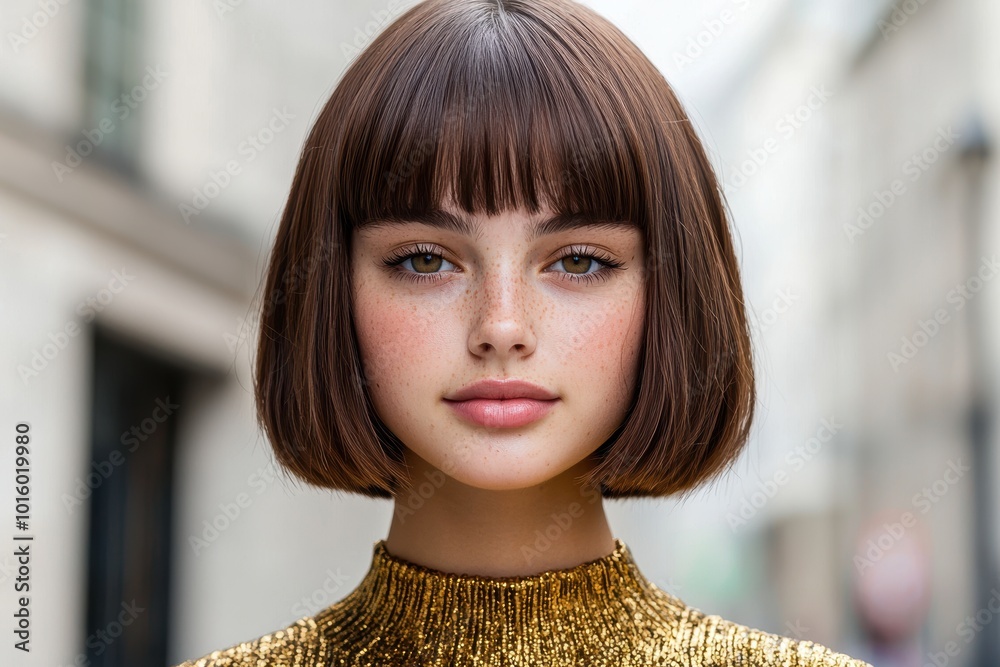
601 613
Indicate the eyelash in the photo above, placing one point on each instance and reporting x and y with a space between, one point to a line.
400 256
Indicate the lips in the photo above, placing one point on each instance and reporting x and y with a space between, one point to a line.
502 389
502 403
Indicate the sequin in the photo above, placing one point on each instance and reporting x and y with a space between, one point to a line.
597 614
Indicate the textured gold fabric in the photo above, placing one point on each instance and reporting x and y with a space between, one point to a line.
601 613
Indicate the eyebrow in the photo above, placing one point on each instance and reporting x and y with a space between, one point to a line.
561 222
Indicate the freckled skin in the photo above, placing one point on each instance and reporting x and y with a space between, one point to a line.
498 306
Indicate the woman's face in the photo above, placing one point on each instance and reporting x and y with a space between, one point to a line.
438 308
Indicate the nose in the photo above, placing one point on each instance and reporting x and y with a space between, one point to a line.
503 322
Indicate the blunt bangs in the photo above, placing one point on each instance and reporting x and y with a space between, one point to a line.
496 113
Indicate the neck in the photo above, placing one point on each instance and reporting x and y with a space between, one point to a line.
448 526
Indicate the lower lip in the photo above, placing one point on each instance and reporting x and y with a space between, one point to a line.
508 413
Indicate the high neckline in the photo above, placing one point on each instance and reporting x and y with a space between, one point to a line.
619 560
558 614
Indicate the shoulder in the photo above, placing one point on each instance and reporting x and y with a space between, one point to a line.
711 640
298 645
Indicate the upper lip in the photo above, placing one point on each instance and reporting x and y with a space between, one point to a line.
508 388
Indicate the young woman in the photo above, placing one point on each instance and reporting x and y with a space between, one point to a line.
504 289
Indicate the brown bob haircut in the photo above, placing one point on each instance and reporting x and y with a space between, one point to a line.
495 105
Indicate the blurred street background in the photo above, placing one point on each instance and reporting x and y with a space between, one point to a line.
146 150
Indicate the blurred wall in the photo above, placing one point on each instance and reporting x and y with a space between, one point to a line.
859 216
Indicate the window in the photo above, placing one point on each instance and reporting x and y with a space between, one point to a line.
114 66
136 401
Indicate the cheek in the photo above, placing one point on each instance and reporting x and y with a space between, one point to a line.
400 346
603 346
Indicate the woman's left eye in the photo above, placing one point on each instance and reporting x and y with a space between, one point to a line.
579 262
578 265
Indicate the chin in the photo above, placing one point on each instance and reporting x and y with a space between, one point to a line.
507 466
498 476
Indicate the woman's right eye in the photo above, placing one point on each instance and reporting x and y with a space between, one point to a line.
419 264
